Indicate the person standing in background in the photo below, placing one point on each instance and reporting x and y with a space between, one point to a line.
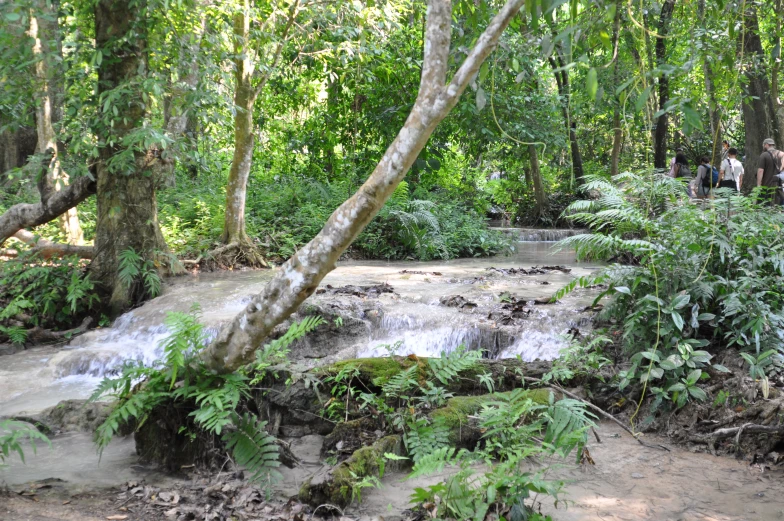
770 165
731 172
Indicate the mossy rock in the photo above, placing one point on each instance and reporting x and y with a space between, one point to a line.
455 414
335 485
370 369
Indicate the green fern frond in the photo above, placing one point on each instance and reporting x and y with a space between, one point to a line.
449 365
130 265
401 383
435 461
253 448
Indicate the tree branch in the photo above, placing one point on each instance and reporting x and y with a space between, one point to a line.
284 38
48 249
299 277
26 215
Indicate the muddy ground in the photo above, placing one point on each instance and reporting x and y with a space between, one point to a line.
628 482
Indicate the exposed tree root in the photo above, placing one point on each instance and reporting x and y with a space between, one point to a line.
39 335
47 249
234 255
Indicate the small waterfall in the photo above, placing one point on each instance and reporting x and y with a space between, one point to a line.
541 234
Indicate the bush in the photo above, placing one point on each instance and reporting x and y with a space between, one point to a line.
51 294
702 279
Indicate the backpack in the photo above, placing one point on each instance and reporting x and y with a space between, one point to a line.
683 170
713 180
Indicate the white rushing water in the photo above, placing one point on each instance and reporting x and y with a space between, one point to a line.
413 321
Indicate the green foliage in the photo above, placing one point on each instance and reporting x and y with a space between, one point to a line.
216 400
699 280
52 294
448 366
136 271
253 448
511 424
11 435
424 436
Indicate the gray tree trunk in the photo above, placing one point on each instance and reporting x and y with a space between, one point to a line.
44 30
536 175
299 277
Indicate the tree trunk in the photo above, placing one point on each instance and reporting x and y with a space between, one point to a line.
536 175
564 90
713 106
244 99
15 146
616 122
299 277
127 207
758 109
44 29
662 123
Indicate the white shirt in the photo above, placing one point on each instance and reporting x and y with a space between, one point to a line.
732 169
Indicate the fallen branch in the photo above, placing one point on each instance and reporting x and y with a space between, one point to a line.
48 249
746 427
597 409
40 335
190 262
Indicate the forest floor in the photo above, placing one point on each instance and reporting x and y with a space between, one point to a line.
627 482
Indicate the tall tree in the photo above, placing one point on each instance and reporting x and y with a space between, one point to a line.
254 62
561 72
128 158
759 116
47 52
663 121
299 277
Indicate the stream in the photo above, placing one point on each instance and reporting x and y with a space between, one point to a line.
415 318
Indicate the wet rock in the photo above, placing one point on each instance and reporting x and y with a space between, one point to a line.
76 415
9 349
414 272
358 291
536 270
457 301
636 475
349 436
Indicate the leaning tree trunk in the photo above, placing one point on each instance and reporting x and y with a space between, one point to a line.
44 29
758 110
299 277
663 122
536 175
127 208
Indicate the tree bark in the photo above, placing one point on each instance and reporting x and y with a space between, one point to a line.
758 110
536 175
713 106
299 277
248 85
44 29
564 90
244 99
127 207
47 249
615 156
662 122
25 215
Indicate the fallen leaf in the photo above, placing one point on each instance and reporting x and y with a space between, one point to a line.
117 518
66 502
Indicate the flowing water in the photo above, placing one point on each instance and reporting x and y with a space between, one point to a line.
627 483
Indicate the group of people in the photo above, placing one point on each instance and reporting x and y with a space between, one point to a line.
730 172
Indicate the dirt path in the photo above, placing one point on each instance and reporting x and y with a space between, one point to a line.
628 483
633 483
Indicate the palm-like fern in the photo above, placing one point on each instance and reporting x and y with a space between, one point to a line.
253 448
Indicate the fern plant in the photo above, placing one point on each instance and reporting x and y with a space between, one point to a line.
253 448
696 279
135 271
446 368
216 400
12 433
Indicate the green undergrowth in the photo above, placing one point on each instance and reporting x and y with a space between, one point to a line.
55 294
696 282
410 401
421 226
413 398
